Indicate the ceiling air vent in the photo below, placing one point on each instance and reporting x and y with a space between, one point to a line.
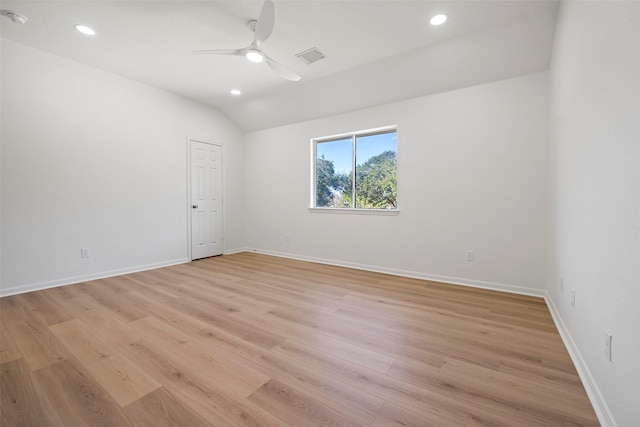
310 56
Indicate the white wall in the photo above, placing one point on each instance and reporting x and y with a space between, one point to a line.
90 159
472 175
595 203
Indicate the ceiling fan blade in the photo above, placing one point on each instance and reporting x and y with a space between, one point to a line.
239 52
281 70
266 21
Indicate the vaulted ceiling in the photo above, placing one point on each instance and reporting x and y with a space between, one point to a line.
376 51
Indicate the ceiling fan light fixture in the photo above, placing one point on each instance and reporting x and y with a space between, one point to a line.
254 55
439 19
14 16
85 30
262 29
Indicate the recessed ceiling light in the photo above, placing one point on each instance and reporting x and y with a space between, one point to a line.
438 19
235 92
254 56
85 30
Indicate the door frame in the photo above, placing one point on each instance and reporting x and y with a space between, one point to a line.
188 198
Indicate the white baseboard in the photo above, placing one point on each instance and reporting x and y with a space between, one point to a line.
595 396
84 278
412 274
235 251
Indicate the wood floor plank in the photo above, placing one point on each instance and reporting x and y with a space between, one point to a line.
64 292
9 350
156 306
504 402
37 344
253 333
428 321
272 275
25 325
107 326
198 290
322 342
393 416
123 380
37 307
230 300
360 405
298 409
294 329
111 300
379 338
19 402
533 399
222 410
517 343
419 373
215 368
160 408
76 399
550 376
145 282
421 399
250 340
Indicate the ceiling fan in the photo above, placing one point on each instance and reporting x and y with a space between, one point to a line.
262 29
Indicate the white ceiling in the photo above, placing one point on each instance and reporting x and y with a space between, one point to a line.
376 51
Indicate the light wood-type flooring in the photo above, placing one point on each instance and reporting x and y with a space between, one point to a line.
254 340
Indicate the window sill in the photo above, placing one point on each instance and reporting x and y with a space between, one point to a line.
349 211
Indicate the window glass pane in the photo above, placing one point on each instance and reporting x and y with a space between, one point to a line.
376 169
333 171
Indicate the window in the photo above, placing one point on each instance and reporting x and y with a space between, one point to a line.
356 170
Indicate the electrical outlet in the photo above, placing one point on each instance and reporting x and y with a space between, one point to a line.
470 255
84 253
573 298
561 284
607 344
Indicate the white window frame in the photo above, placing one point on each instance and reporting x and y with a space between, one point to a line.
353 135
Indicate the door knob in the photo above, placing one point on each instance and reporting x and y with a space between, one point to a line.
195 206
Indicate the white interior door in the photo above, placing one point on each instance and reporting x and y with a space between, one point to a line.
206 200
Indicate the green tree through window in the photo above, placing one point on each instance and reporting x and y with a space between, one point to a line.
375 158
328 182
